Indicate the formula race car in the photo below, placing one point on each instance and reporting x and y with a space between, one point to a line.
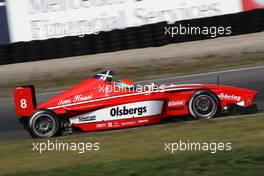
99 103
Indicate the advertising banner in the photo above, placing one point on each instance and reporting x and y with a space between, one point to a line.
43 19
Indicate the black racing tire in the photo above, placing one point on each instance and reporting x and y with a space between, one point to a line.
204 104
43 124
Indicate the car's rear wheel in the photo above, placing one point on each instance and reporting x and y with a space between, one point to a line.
44 124
204 105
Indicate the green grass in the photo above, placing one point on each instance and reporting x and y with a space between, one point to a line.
140 151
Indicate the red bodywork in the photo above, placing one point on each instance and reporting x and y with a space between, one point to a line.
253 4
92 105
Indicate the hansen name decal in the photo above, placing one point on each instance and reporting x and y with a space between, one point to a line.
75 99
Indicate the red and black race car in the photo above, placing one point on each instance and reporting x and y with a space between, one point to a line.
99 103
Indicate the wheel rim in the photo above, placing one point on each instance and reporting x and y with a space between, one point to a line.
204 106
44 125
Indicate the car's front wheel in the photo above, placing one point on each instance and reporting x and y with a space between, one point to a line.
204 105
43 124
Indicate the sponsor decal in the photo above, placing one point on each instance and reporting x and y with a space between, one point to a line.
176 103
116 125
249 100
75 99
87 118
179 108
110 124
224 96
128 123
125 111
143 121
120 111
101 125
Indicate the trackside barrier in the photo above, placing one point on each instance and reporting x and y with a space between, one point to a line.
152 35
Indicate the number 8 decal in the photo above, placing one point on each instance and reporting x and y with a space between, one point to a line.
23 103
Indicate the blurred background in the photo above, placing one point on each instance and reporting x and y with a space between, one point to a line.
55 44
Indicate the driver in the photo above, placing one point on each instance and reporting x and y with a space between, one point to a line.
125 83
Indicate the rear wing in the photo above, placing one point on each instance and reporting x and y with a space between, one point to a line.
25 100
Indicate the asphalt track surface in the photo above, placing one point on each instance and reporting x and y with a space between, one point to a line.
251 78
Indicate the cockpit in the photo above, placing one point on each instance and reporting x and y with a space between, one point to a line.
108 77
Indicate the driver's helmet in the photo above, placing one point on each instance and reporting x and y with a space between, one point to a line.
125 83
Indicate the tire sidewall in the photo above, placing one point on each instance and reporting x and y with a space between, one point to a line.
207 93
38 114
